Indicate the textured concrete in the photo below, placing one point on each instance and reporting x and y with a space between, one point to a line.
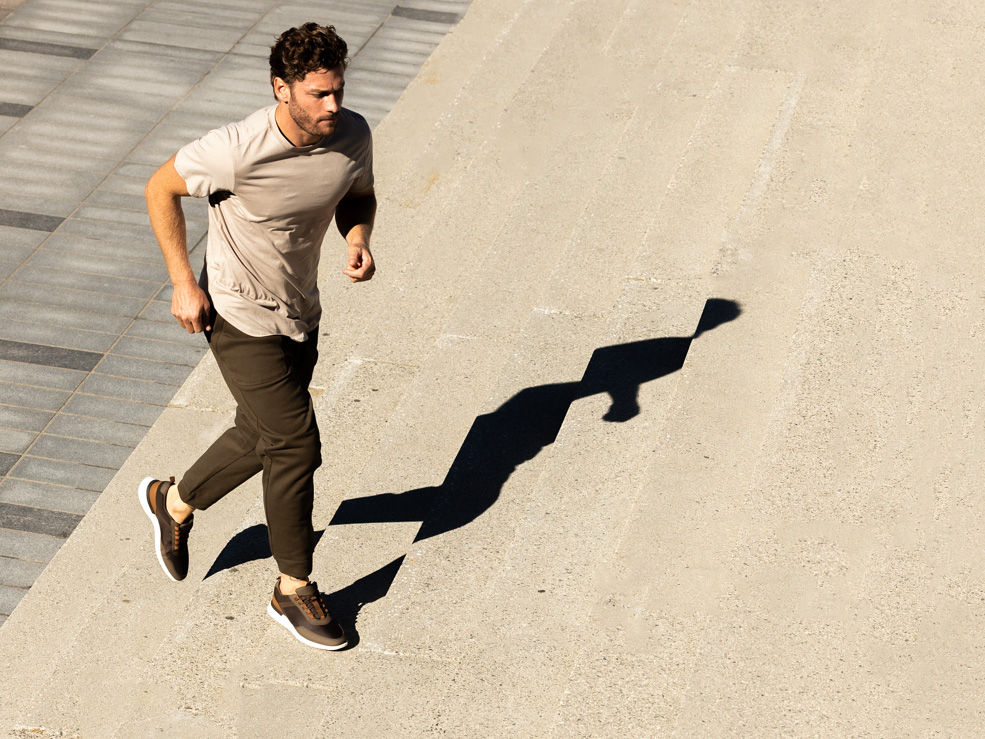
661 418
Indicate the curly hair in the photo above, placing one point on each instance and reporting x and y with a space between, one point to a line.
304 49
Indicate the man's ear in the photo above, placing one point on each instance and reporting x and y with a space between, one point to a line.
282 91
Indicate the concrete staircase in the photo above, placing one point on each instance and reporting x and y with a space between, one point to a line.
620 442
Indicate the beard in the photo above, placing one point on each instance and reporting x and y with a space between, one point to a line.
322 126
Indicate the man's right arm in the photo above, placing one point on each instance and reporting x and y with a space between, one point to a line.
189 304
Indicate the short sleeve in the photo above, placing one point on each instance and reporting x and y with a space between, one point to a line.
364 180
206 164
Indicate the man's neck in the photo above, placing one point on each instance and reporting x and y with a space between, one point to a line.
290 129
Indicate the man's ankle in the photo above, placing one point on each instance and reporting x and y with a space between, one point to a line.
177 508
289 585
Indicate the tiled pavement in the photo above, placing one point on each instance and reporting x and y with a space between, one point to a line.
95 95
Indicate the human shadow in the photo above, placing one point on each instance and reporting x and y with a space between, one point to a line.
495 446
518 430
248 545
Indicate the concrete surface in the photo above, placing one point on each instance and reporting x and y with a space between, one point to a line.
661 418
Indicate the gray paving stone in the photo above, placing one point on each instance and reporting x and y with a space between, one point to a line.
117 250
230 21
112 215
164 373
65 150
51 497
374 52
120 84
139 171
41 206
9 598
7 461
96 429
108 199
125 185
129 389
97 454
24 33
16 310
54 471
24 396
37 520
25 93
15 442
143 105
36 47
111 232
29 546
78 299
180 36
20 237
28 66
19 573
152 50
7 269
23 419
112 409
431 16
88 264
58 131
15 110
14 256
65 23
34 221
109 110
404 70
158 310
68 114
49 356
56 377
40 188
6 123
95 284
114 65
169 331
71 159
162 351
56 336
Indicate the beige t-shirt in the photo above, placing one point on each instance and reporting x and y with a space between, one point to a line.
270 205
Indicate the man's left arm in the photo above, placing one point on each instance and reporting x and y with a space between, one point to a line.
354 216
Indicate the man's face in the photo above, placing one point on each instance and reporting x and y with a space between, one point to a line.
314 102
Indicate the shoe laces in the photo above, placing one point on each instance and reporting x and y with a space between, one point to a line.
312 606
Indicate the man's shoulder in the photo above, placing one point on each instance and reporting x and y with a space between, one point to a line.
242 132
356 125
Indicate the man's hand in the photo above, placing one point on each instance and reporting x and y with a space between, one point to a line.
190 305
360 265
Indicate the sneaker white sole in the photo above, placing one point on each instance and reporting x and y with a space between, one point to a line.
145 504
286 623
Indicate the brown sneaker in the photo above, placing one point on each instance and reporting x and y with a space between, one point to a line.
170 537
304 615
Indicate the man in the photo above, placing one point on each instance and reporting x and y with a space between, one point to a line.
274 181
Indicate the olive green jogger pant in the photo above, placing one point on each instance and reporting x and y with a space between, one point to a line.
275 433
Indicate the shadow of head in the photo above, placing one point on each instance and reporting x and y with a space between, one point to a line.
717 311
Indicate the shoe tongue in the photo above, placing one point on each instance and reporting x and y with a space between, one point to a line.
309 589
